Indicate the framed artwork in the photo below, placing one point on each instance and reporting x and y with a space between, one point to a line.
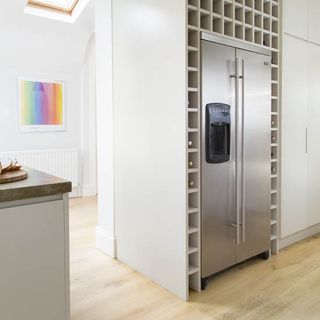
41 105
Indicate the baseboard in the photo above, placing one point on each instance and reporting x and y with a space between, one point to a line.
106 242
89 190
306 233
75 193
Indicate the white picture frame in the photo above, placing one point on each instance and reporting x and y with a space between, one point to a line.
37 124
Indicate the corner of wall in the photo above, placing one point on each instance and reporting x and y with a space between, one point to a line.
106 242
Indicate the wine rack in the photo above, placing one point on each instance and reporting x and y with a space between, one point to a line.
251 21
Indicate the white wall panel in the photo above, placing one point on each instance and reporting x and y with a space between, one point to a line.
150 138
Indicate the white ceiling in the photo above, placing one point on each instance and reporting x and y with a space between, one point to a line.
48 42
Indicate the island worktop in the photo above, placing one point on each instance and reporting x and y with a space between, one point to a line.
38 184
34 248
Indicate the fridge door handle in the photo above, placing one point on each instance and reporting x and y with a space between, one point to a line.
237 195
243 166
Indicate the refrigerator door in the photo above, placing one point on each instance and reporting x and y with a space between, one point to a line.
218 162
254 157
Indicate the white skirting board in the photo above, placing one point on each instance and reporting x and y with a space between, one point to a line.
88 191
75 193
106 242
301 235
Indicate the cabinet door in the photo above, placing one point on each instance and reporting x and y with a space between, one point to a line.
256 162
295 18
33 272
294 124
314 21
313 203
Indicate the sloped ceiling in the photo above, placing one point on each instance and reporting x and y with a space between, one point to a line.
47 43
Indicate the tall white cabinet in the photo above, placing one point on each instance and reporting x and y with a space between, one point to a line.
313 142
294 131
300 182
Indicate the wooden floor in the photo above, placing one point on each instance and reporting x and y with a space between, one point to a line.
284 287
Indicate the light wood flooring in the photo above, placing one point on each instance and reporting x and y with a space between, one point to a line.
284 287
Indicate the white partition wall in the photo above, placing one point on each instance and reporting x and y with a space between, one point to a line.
150 138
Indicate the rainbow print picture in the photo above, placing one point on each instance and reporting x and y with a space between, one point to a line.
41 105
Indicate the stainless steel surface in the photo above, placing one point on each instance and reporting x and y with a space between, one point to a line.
237 137
236 194
256 156
218 186
234 43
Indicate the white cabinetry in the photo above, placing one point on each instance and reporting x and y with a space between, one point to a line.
313 199
301 19
34 263
294 124
295 18
300 136
314 21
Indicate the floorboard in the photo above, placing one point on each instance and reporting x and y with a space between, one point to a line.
286 287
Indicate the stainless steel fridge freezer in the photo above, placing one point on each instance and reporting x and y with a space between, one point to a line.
236 156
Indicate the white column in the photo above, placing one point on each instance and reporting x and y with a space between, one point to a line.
105 233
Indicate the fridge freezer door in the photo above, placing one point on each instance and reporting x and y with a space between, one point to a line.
218 179
255 157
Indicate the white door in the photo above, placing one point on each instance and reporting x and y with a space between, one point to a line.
313 199
313 21
292 9
294 124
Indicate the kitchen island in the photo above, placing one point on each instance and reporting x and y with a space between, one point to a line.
34 248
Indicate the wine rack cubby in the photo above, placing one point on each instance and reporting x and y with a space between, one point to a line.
251 21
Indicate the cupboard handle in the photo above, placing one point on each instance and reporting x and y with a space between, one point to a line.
306 140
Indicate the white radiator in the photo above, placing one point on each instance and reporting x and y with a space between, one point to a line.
61 163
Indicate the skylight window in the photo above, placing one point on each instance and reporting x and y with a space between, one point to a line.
65 6
63 10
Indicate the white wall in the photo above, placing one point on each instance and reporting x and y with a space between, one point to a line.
43 49
17 141
89 123
150 138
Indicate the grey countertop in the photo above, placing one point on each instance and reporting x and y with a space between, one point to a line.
38 184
